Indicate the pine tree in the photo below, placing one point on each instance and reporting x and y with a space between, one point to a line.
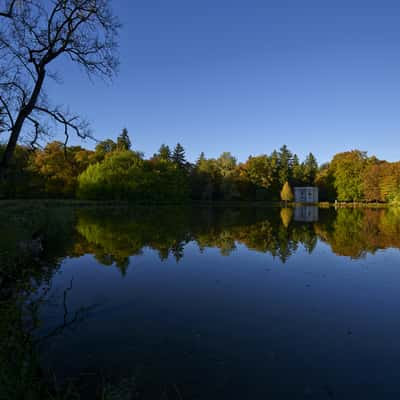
297 171
178 156
123 141
310 167
286 193
285 164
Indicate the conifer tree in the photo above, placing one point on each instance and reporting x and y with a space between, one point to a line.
285 164
123 141
178 156
310 167
297 171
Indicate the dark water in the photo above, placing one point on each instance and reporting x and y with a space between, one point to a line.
213 303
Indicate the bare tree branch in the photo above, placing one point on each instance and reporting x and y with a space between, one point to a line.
79 127
7 112
33 34
37 131
9 10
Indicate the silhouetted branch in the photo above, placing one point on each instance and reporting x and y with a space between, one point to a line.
7 112
80 128
37 132
9 10
33 34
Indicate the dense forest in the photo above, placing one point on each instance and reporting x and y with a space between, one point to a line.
115 171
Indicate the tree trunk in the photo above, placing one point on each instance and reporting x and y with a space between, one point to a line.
17 128
11 145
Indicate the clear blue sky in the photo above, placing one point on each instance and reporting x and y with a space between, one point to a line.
249 76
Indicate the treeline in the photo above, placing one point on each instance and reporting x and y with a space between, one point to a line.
113 171
353 176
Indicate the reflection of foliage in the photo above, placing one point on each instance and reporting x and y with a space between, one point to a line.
115 236
286 216
305 234
224 240
21 222
354 232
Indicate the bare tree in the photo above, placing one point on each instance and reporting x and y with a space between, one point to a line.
33 34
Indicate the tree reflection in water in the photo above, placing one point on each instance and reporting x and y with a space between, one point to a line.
113 235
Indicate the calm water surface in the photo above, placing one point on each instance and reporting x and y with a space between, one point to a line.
213 303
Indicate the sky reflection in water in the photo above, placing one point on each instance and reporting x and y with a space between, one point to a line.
233 303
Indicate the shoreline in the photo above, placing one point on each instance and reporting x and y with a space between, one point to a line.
126 203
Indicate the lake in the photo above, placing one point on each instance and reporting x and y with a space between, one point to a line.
214 302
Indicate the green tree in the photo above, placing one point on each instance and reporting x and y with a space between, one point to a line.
103 148
164 153
124 175
166 181
348 168
226 163
178 155
275 168
258 170
310 169
285 164
201 158
119 176
123 141
297 171
326 183
59 167
205 179
257 173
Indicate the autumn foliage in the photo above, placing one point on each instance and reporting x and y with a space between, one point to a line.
114 171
